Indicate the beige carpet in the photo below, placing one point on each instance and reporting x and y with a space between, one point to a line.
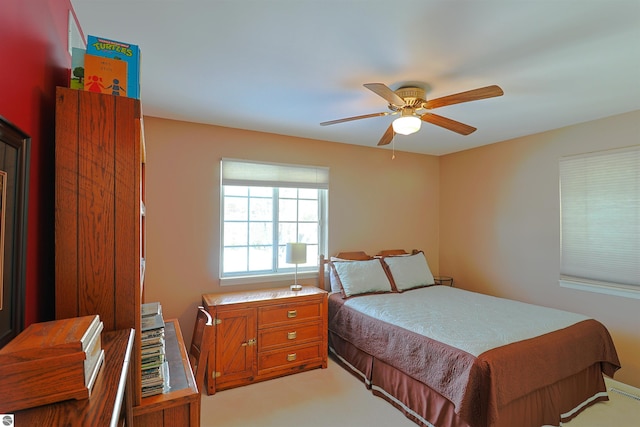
333 397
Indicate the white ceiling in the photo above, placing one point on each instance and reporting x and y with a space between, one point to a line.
284 66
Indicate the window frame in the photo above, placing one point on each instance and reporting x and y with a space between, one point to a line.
270 175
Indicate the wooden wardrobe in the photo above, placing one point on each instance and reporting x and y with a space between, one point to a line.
100 226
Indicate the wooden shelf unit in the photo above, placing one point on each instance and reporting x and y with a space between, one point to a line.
98 221
100 239
181 405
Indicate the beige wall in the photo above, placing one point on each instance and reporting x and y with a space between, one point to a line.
499 225
488 216
375 203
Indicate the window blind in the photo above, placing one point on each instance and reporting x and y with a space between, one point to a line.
251 173
600 217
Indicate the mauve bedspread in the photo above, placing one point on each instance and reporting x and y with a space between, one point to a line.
479 352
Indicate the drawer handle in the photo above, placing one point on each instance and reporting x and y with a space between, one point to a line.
292 335
291 357
292 313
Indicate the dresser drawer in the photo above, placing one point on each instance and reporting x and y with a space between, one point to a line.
288 313
289 335
290 356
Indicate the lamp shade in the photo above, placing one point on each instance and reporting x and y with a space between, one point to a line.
407 125
296 253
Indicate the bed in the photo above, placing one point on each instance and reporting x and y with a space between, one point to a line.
447 357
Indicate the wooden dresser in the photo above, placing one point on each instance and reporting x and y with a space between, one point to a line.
265 334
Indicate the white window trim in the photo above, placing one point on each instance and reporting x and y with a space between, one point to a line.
267 278
601 288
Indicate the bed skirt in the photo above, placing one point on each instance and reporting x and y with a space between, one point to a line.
549 406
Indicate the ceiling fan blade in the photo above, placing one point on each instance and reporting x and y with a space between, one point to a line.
446 123
348 119
470 95
384 91
387 137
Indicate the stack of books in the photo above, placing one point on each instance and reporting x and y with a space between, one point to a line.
155 369
106 66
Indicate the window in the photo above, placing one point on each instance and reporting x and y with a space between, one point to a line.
600 222
264 206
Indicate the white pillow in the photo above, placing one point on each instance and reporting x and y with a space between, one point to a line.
334 281
409 272
333 276
361 277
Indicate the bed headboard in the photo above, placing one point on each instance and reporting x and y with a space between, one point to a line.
354 256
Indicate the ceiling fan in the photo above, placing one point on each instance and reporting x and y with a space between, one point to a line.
412 105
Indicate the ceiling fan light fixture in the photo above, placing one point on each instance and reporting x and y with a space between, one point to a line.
410 103
406 125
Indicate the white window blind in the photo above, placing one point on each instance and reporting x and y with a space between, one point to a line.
250 173
600 219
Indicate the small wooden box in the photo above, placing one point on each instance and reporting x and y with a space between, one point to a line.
50 362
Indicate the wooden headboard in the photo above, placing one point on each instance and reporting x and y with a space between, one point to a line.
354 256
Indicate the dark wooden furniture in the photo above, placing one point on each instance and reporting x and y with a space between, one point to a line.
200 343
180 406
443 280
108 404
265 334
100 233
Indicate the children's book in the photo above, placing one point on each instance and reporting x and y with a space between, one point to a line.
105 75
126 52
77 68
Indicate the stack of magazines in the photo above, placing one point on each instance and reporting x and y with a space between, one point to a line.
155 369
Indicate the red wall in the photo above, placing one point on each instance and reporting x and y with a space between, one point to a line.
33 61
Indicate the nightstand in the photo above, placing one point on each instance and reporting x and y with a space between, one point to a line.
265 334
443 280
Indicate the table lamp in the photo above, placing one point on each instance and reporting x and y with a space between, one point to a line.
296 254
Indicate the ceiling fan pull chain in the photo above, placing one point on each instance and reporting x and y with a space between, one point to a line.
393 147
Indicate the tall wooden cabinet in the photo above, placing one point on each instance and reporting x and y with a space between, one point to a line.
100 234
98 222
